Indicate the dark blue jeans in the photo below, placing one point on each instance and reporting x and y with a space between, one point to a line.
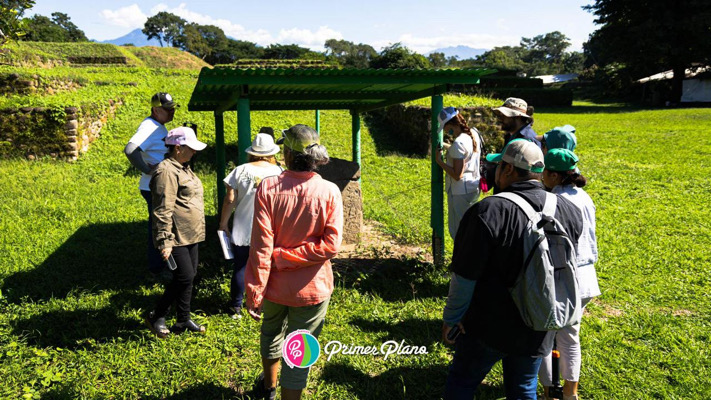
473 360
241 254
155 262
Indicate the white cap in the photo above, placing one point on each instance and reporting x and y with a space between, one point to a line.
184 136
445 115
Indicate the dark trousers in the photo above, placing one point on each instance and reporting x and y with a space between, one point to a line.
241 254
473 360
155 262
180 289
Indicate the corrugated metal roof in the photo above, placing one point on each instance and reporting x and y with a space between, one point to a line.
219 88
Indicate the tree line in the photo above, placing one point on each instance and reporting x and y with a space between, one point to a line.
631 42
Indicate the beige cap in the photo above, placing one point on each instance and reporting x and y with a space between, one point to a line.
513 107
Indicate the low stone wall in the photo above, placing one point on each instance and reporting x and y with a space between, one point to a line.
62 133
24 85
411 125
345 175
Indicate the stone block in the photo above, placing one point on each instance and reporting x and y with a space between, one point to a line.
72 124
345 175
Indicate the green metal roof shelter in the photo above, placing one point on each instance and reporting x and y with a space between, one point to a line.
223 89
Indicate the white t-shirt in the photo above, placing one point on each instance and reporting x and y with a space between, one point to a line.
463 149
245 180
150 137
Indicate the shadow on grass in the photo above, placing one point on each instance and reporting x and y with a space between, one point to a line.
415 331
83 327
95 257
386 142
100 257
201 391
397 383
392 279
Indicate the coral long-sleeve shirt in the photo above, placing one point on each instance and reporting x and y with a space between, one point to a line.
297 229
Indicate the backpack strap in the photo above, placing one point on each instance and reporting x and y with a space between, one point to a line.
533 215
550 205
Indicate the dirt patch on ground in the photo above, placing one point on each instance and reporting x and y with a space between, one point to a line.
374 244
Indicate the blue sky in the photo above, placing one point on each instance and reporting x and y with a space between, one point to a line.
421 25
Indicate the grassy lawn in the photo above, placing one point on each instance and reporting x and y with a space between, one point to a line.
72 268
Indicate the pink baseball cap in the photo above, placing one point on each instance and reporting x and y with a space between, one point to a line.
184 136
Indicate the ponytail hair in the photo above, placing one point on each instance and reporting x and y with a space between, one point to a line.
574 177
314 156
462 124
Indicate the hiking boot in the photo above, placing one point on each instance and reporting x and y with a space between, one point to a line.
260 392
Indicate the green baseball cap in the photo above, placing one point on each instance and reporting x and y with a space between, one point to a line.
520 153
561 137
560 160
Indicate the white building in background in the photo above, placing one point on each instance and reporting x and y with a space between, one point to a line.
696 87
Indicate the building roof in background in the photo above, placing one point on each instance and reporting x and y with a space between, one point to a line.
558 78
666 75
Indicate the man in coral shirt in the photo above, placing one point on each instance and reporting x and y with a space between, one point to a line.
297 229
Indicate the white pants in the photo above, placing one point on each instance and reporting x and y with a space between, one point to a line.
457 205
568 343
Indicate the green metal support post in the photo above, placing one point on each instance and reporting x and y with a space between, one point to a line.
437 200
318 121
355 124
220 157
244 129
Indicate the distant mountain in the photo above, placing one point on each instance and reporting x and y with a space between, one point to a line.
461 52
135 37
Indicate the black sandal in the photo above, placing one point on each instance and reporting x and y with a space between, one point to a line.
156 325
188 325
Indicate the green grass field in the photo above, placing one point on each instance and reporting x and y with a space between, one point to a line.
73 285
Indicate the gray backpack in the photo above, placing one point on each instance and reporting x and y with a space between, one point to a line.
546 291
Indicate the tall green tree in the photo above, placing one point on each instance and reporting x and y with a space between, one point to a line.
399 56
290 52
73 33
165 27
242 49
349 54
203 41
12 26
504 57
58 29
650 36
437 60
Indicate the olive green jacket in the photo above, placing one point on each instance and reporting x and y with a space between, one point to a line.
178 208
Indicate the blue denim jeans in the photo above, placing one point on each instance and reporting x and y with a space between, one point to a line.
473 360
155 262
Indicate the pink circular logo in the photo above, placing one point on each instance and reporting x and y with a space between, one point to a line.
300 349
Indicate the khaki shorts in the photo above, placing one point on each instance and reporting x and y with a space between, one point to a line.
278 321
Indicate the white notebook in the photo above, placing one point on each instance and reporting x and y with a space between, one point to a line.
226 245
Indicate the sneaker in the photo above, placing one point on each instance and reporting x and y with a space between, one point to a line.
260 392
235 312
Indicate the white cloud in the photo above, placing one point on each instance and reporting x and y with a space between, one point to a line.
308 38
127 17
423 45
302 37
